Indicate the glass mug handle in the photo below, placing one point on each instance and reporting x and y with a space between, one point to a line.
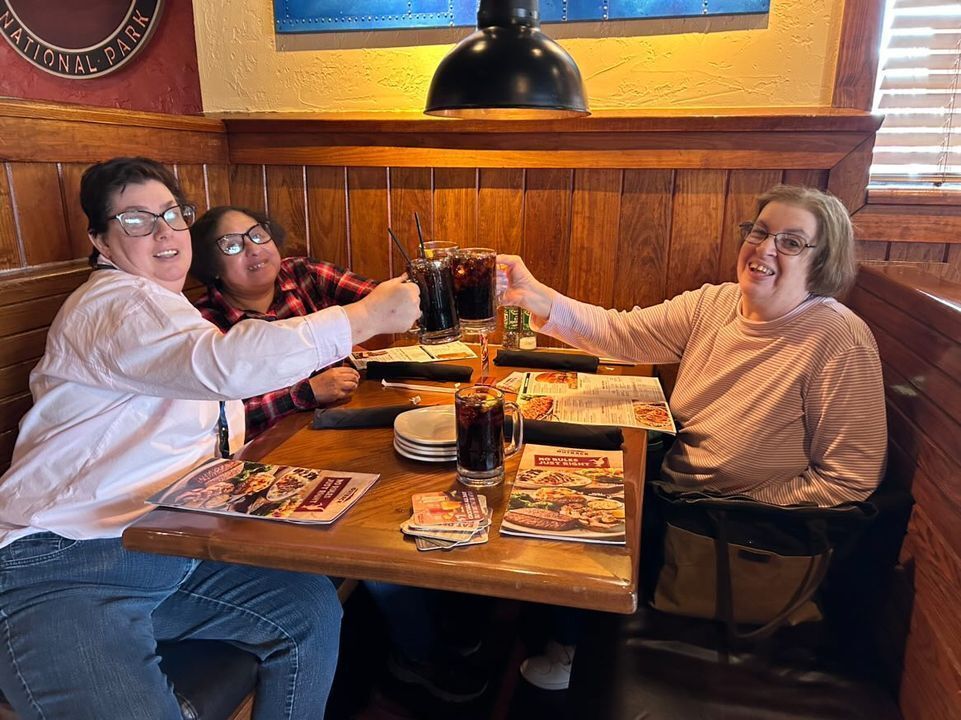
517 431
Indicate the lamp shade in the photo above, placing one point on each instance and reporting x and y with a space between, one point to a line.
507 69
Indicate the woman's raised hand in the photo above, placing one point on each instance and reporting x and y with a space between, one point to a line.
516 286
391 307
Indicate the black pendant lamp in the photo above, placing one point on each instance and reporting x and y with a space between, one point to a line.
507 69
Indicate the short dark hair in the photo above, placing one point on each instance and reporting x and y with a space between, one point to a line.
207 259
101 181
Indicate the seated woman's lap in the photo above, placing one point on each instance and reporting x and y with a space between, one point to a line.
79 621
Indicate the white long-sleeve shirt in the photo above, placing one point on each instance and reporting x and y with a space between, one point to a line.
785 411
126 400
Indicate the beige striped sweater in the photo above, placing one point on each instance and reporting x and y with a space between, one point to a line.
786 411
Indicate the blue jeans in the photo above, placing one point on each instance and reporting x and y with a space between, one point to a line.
80 620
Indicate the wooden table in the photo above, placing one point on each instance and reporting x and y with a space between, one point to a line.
366 543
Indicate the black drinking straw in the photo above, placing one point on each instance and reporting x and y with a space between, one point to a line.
420 237
399 247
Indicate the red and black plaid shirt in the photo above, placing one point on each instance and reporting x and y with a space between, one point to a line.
303 286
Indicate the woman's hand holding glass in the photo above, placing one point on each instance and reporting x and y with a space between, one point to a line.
517 287
391 307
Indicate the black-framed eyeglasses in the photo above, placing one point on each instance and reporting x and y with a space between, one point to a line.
786 243
140 223
233 243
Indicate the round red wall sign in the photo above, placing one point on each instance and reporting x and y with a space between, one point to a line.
78 39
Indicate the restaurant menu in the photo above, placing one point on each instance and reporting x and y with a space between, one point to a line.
273 492
413 353
595 400
568 494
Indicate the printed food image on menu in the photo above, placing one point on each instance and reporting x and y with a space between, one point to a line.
595 400
273 492
568 494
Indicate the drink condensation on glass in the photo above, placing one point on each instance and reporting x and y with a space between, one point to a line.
481 450
474 289
438 320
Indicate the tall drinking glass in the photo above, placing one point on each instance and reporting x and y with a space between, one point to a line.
474 289
438 320
479 410
439 248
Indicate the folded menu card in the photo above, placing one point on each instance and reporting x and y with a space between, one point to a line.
568 494
273 492
445 520
413 353
619 400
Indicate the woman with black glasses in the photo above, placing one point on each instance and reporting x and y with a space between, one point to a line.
779 393
133 391
237 255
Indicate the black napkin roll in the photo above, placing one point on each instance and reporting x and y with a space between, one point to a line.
345 418
424 371
547 360
592 437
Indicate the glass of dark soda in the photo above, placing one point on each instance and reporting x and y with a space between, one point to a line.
474 289
438 320
481 450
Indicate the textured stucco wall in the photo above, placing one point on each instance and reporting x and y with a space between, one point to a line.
786 58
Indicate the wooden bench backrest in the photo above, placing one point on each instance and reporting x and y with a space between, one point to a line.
916 318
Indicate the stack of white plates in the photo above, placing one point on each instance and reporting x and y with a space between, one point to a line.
428 434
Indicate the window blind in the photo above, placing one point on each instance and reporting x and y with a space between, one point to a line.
919 144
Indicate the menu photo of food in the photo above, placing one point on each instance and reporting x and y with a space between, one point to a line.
273 492
568 494
624 401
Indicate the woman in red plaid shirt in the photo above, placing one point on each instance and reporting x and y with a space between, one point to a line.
236 254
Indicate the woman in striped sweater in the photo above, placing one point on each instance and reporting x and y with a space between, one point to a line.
779 393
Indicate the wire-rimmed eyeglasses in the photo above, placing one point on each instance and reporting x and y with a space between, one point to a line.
140 223
786 243
233 243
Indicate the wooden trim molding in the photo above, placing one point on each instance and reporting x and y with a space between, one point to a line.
858 53
39 132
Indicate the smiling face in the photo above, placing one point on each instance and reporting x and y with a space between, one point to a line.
164 255
253 270
772 284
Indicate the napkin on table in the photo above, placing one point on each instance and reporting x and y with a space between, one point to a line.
426 371
344 418
561 434
547 360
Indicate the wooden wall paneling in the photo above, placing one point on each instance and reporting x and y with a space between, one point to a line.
697 218
858 53
287 204
547 225
194 186
248 188
806 178
327 214
25 285
38 202
370 246
455 205
953 256
28 345
12 409
595 234
640 271
410 192
870 250
217 177
743 188
914 289
500 209
70 176
916 252
903 223
7 441
849 178
10 255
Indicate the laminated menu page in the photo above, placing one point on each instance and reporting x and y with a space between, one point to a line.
413 353
588 399
568 494
273 492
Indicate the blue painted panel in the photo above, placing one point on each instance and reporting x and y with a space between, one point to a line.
294 16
